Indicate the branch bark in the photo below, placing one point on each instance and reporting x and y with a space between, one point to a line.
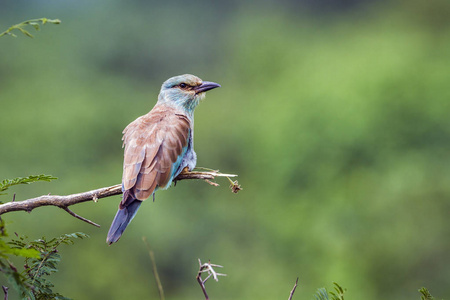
64 202
293 290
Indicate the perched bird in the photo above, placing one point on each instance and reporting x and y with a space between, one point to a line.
158 146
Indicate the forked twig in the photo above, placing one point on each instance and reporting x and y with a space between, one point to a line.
207 267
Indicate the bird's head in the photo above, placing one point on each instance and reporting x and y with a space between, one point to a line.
185 91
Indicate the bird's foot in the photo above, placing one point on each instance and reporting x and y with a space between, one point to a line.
185 170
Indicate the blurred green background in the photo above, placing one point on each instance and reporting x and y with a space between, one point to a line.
335 115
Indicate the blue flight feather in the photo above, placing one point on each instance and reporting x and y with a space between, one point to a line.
121 220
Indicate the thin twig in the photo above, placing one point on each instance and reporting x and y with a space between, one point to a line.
293 290
80 217
64 202
209 175
202 285
155 271
5 290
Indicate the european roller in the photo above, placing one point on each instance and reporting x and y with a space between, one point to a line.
158 146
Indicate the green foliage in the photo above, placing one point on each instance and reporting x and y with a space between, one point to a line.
7 183
6 248
34 22
41 256
41 259
425 294
323 294
7 268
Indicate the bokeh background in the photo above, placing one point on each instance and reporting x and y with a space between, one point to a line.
335 115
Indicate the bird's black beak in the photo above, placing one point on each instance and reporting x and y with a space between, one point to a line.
206 86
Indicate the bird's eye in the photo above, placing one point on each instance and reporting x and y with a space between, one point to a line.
183 85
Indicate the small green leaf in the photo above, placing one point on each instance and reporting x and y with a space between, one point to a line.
54 21
18 251
31 253
25 32
35 25
339 295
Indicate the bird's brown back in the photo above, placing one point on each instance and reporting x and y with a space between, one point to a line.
153 142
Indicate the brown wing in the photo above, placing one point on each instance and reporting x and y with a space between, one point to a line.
153 143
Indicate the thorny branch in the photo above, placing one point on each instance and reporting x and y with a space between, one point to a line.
64 202
207 267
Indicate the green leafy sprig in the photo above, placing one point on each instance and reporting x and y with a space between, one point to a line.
36 23
32 282
425 294
7 183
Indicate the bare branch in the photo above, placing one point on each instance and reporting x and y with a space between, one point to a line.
207 267
293 290
64 202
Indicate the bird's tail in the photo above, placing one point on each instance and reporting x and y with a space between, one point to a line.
123 217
